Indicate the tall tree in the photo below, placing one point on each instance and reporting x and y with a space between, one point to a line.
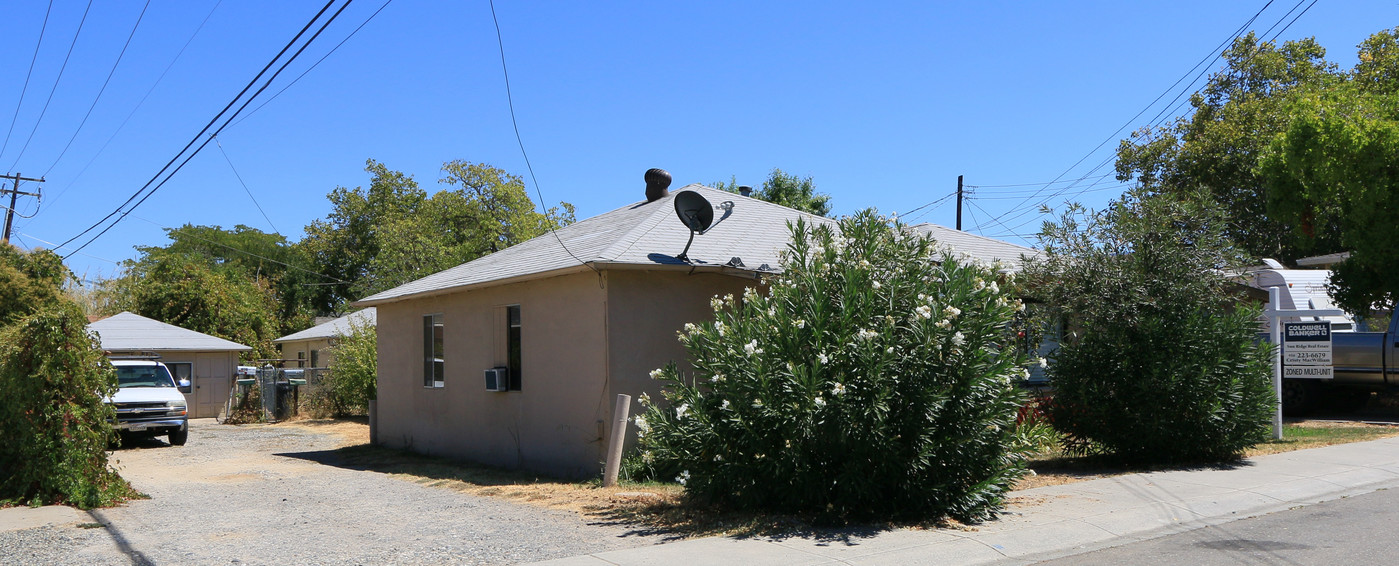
29 281
186 291
1335 174
266 259
787 190
394 232
344 243
1217 147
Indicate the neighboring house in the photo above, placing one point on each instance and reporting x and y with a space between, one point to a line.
577 316
310 348
980 248
209 362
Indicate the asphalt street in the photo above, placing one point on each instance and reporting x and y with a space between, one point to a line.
1355 530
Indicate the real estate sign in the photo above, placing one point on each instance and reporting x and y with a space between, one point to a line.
1306 350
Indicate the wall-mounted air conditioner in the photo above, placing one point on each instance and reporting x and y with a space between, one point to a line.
498 379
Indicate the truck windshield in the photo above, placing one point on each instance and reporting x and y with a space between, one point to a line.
143 376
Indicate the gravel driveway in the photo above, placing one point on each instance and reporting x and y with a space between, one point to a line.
256 495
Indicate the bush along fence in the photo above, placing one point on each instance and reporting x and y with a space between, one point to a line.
874 378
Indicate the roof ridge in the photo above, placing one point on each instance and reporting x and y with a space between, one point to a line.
977 236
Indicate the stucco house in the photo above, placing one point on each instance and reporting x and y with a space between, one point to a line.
577 317
311 348
209 362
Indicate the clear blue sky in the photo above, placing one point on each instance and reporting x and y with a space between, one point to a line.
884 104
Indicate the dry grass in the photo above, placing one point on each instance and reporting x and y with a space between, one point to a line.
662 508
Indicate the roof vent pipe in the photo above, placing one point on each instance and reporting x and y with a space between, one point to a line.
745 190
657 181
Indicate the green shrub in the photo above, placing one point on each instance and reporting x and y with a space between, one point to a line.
53 378
355 369
350 384
1163 366
871 380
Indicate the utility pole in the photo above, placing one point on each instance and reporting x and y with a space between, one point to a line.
14 195
959 203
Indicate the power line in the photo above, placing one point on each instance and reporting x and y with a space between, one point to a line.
510 100
25 88
245 186
314 65
57 80
1213 55
230 104
82 123
911 217
1173 110
1022 184
138 104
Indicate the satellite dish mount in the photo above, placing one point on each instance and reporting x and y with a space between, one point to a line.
695 213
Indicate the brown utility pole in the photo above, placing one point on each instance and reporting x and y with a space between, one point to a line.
14 195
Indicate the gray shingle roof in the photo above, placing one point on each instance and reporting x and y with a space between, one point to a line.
337 327
976 247
642 233
128 331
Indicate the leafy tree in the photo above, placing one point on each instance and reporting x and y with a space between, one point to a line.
1335 173
1216 149
394 232
1162 365
345 243
187 292
53 378
790 191
870 380
29 281
265 259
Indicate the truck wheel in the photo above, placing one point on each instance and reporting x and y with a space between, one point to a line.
1298 396
178 437
1348 400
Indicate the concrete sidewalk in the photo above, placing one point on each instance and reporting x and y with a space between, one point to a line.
1051 522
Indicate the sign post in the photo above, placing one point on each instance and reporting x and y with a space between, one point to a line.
1306 347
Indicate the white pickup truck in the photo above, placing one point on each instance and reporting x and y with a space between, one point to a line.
148 401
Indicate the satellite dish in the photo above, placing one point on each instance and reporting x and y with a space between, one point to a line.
694 210
695 213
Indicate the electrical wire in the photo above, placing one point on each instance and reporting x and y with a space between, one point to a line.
82 123
511 101
171 65
1213 55
206 127
1169 110
25 88
245 186
56 247
1021 184
57 80
313 65
910 216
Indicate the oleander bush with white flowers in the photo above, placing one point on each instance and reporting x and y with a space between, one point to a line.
873 378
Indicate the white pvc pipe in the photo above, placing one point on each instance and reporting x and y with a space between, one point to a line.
619 436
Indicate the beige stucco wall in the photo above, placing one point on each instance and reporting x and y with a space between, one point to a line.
290 349
585 338
645 310
551 426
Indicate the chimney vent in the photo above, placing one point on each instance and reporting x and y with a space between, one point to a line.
745 190
657 181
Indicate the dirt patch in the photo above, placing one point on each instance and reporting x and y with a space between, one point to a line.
351 431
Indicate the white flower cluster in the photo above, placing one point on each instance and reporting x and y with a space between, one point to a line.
838 389
657 373
866 334
752 348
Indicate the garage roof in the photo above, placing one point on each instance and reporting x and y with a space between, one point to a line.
129 331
